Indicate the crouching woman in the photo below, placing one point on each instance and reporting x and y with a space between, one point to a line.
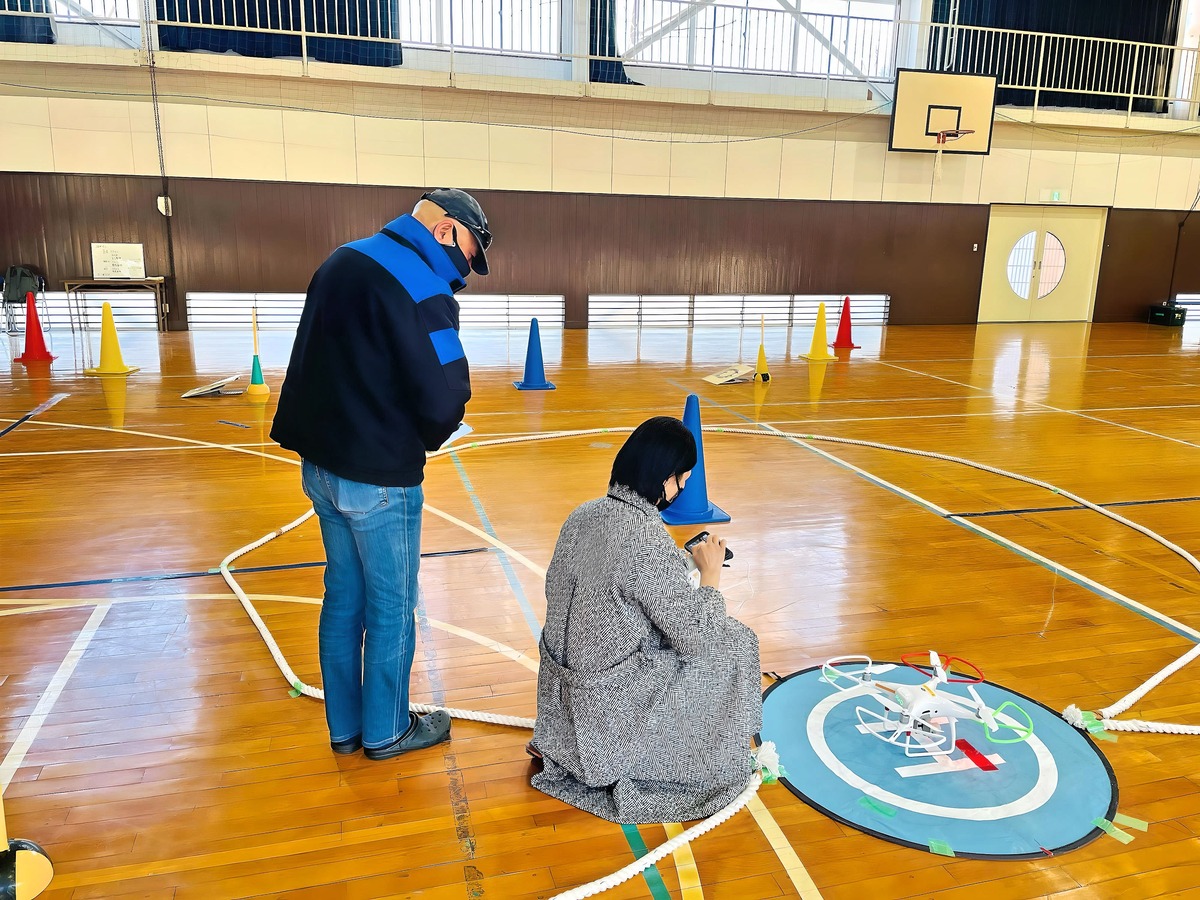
648 692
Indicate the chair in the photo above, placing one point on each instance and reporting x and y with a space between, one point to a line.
19 281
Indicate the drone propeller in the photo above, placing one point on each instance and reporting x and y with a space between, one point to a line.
935 663
981 709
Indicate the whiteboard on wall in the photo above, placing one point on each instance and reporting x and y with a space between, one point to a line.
117 261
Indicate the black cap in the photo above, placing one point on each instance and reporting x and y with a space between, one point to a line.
466 209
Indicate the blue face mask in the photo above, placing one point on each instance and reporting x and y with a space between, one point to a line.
460 262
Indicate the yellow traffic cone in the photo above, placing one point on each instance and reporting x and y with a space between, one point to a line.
760 368
111 362
819 352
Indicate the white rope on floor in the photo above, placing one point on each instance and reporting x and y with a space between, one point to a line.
1071 714
766 760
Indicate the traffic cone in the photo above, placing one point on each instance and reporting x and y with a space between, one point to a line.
535 372
760 368
35 342
819 351
111 362
843 341
692 506
257 390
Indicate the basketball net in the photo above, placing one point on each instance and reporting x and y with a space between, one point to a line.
942 138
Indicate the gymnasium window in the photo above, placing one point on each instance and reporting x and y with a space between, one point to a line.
209 310
646 311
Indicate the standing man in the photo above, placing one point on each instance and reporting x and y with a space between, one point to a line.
378 377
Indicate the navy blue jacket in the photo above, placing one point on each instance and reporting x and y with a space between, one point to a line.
377 374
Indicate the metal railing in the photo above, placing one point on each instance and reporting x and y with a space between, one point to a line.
133 310
1052 70
661 37
757 39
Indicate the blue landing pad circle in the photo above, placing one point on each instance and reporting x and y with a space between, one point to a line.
1042 796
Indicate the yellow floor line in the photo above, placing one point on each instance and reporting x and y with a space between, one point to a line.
801 880
685 866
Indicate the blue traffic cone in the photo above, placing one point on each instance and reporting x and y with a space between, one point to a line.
692 506
535 373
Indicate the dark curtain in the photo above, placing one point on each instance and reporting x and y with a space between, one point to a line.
603 42
27 29
1143 21
368 18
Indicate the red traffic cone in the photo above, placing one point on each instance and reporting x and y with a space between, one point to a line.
843 341
35 343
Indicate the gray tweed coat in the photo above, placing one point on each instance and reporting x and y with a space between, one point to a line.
648 693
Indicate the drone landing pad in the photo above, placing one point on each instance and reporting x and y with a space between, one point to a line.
1042 794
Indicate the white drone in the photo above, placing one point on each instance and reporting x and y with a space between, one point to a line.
919 717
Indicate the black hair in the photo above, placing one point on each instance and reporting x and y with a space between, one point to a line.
658 449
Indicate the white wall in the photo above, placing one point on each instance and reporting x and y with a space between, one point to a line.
252 121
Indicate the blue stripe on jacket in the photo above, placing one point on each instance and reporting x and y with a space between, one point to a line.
404 265
448 346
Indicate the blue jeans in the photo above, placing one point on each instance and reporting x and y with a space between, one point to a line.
367 638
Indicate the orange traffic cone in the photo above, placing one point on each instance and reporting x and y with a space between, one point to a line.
35 342
843 341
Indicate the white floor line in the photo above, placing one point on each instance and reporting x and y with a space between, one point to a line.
129 450
16 754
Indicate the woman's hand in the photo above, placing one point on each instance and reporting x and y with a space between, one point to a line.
709 556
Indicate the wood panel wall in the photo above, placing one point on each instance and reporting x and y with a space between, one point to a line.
268 236
1135 268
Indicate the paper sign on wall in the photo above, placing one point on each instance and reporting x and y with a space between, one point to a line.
118 261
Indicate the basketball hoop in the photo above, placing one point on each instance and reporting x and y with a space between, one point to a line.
950 134
953 134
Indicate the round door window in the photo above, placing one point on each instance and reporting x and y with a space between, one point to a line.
1035 271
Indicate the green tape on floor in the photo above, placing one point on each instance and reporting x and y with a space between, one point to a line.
941 848
1130 822
654 881
1112 830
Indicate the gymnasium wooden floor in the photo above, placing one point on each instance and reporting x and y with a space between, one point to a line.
155 752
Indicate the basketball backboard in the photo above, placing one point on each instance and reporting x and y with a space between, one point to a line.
929 103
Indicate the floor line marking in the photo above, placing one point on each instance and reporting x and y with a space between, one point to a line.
1071 575
801 880
464 828
1066 412
1073 507
685 865
513 582
654 881
16 753
82 451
